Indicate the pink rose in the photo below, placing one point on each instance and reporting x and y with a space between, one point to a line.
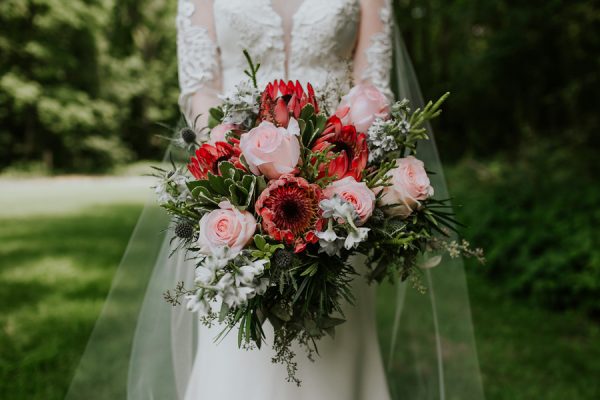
361 106
226 226
219 132
270 150
410 185
356 193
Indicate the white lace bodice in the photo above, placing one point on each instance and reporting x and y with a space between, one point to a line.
316 41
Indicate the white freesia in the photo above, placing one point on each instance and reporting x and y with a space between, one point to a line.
204 276
262 286
330 242
355 237
198 304
231 294
338 208
249 272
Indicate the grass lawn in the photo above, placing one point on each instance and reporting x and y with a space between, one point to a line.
61 240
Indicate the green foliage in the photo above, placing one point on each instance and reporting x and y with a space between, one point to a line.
538 219
240 188
311 125
82 82
516 69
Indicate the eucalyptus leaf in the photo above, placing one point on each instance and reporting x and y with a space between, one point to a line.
280 313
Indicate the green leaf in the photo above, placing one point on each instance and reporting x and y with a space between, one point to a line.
281 313
329 322
321 121
233 197
217 184
241 332
193 185
260 242
223 312
248 325
227 169
311 270
302 125
216 113
307 112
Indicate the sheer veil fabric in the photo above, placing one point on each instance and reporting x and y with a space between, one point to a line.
143 348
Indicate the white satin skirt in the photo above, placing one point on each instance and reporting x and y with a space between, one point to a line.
347 367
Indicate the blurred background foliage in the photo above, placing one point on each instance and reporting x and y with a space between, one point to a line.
519 135
83 84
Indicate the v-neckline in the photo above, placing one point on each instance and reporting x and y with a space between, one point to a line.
287 45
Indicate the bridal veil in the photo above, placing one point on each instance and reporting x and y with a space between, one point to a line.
142 348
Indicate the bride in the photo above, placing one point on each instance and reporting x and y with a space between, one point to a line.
142 348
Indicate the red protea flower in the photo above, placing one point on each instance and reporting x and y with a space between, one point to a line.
350 150
208 157
290 211
281 100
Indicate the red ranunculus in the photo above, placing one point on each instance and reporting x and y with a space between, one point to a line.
281 100
290 212
209 156
350 152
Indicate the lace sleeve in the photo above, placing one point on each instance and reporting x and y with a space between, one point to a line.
197 53
373 54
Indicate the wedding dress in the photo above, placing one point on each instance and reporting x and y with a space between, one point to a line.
142 348
312 41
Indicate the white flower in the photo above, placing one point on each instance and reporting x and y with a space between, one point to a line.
197 304
237 297
247 273
379 140
233 296
204 276
241 105
219 259
172 187
329 242
355 237
338 208
262 286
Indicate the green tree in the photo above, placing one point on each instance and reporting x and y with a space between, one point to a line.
78 86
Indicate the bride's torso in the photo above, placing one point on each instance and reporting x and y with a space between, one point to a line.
317 45
308 40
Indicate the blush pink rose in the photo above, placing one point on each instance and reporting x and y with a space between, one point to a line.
270 150
409 186
219 132
226 226
356 193
361 106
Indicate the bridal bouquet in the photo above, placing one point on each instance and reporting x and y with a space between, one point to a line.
283 194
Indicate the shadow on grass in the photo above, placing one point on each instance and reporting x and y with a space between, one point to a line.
55 273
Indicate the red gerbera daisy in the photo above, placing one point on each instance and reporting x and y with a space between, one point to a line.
209 156
290 211
280 100
350 150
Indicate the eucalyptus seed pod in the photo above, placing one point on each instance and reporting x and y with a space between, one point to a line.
282 258
378 217
184 230
394 224
188 135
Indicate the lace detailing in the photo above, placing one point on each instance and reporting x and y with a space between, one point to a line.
197 53
379 54
256 27
323 37
321 43
321 40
